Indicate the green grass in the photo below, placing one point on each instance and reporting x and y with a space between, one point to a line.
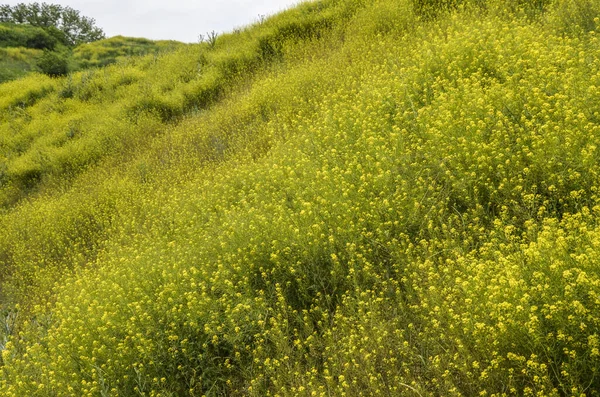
24 35
17 62
349 198
22 46
108 51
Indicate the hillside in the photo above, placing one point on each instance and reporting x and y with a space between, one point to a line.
17 62
20 48
389 197
108 51
23 46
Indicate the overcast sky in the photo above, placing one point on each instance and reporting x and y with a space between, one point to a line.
181 20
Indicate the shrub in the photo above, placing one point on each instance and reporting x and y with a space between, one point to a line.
41 40
53 64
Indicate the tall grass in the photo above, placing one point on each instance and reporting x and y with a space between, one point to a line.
106 52
17 62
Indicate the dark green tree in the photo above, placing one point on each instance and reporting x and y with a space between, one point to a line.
64 23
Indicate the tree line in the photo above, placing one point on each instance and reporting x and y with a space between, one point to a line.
63 23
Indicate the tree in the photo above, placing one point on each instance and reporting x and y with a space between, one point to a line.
64 23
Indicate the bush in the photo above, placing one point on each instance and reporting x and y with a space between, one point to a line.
41 40
53 64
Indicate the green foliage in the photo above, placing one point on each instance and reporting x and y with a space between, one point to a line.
64 23
53 64
17 62
20 52
576 16
118 48
532 9
344 199
432 8
211 38
25 36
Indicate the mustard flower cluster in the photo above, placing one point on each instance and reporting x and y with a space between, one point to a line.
389 205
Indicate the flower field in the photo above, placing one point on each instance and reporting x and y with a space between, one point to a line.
349 198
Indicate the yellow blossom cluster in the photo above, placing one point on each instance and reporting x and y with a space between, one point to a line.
345 199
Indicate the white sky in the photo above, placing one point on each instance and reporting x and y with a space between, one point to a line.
181 20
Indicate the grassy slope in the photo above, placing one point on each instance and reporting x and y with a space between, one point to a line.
17 62
20 50
343 200
105 52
